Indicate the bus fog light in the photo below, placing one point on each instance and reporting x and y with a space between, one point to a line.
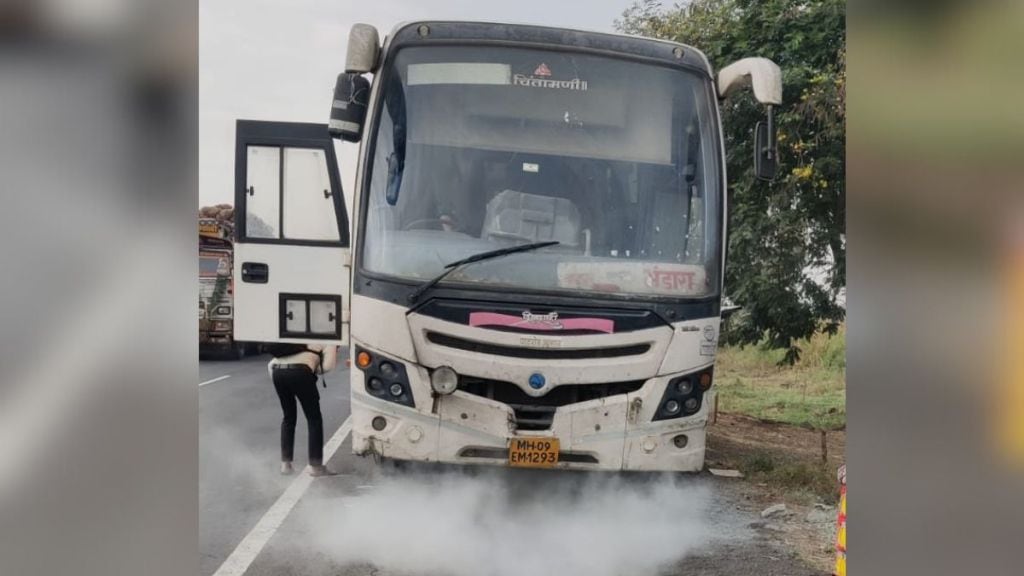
379 423
680 441
414 434
444 380
691 404
396 389
672 407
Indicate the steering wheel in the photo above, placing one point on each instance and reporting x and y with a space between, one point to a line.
422 222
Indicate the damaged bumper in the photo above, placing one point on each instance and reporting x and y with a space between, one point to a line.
612 433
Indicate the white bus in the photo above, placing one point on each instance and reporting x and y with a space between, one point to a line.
531 274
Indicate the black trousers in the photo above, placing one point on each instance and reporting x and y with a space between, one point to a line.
292 384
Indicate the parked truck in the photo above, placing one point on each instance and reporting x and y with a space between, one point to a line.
216 287
531 270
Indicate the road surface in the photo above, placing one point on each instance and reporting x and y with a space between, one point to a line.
371 520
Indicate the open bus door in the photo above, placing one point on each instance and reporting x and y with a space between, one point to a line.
292 251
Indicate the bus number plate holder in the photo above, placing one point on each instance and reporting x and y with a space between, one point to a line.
534 452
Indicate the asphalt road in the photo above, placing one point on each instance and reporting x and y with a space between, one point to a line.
373 520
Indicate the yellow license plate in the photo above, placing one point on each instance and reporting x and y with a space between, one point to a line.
536 452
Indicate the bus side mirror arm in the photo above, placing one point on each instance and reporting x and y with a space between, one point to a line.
363 54
760 74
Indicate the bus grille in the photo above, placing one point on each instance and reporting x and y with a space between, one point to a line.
537 413
536 353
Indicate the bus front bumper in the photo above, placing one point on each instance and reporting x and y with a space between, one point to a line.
602 434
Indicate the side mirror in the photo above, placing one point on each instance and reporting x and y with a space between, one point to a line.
765 154
764 77
363 49
348 111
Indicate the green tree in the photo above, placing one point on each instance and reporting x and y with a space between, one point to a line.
785 233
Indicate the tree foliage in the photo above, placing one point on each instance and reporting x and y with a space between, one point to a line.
787 247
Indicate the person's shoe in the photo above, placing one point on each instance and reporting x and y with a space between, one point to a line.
286 468
317 470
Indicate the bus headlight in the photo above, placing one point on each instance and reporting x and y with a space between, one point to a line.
444 380
388 370
683 395
385 378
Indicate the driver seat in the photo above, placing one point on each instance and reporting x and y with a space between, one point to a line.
514 215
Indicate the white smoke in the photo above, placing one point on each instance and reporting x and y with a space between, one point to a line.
506 523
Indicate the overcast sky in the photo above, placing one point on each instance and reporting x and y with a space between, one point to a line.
277 60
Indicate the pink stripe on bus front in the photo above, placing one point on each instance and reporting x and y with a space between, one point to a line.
545 322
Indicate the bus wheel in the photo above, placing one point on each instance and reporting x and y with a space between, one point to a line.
238 350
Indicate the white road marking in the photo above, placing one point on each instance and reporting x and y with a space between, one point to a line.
217 379
250 546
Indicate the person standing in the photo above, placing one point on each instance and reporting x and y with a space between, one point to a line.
295 378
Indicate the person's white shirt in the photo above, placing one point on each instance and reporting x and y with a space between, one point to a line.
329 353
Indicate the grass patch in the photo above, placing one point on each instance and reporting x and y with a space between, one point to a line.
810 394
806 481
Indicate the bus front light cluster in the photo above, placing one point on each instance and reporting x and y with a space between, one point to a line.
683 395
385 378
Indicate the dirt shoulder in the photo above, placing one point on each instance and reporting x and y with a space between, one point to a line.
782 464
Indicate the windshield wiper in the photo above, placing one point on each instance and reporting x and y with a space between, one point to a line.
451 267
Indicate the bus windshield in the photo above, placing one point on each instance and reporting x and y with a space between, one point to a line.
480 148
